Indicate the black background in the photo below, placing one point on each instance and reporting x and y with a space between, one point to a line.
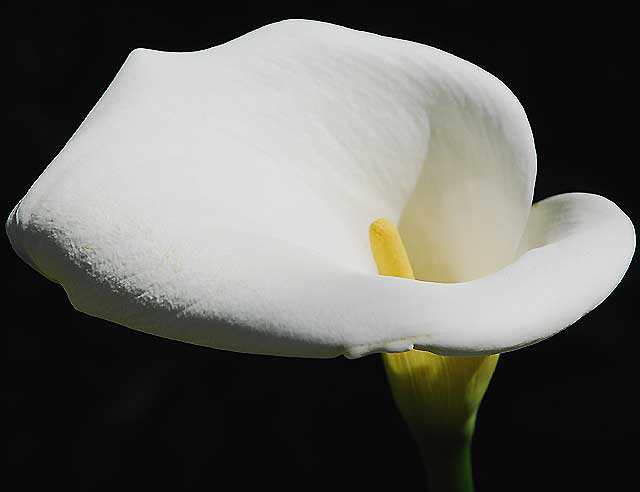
96 406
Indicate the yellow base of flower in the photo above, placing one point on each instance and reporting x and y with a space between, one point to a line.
439 394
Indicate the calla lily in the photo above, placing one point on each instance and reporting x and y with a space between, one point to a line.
224 197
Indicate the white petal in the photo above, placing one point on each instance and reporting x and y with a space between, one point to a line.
207 192
319 128
291 302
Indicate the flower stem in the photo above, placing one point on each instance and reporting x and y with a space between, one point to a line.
448 464
439 397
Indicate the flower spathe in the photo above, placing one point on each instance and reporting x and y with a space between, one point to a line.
223 198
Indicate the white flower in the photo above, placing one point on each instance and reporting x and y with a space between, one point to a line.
223 197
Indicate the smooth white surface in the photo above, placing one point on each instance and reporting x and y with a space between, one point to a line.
223 198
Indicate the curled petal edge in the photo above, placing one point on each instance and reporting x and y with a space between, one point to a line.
291 302
575 251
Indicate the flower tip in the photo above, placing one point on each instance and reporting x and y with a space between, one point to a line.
381 227
388 250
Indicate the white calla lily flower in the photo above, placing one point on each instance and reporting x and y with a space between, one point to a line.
223 198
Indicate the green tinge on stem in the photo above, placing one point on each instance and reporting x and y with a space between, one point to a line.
439 397
448 466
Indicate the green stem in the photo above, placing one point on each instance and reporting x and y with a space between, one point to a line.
448 464
439 397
